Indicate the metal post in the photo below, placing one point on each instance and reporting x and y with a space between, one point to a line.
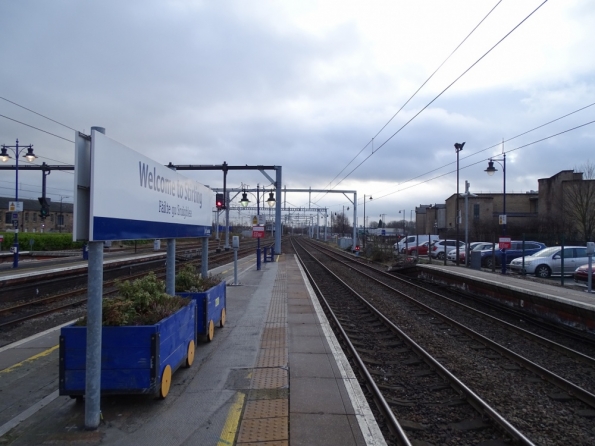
589 273
226 247
278 228
170 267
235 266
94 319
504 210
204 267
94 329
258 239
15 262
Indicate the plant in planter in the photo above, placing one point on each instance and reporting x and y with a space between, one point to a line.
210 296
146 336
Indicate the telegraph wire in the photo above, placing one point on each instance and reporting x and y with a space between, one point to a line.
413 95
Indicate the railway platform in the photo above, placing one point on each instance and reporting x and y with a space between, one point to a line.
569 304
274 375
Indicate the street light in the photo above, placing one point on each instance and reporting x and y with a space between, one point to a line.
491 170
5 157
458 148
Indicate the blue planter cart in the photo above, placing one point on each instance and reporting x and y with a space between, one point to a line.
134 359
210 309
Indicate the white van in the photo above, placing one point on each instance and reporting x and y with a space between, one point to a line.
414 240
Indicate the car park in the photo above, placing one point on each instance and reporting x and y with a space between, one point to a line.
548 261
439 248
581 274
516 250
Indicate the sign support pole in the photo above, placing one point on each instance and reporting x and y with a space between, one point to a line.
170 267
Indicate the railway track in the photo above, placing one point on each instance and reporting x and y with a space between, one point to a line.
75 283
544 398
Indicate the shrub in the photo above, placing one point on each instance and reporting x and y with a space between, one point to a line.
141 302
189 281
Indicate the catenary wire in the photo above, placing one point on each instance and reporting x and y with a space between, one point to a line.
414 94
38 114
485 159
443 91
37 128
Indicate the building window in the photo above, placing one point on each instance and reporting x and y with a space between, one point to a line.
8 218
34 216
26 216
476 212
60 220
52 218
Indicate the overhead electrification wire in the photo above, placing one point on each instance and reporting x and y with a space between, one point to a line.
38 114
36 128
415 93
499 143
443 91
484 160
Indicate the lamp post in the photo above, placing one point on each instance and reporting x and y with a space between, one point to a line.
245 202
458 148
404 221
5 157
490 170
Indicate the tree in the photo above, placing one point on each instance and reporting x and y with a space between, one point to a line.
579 201
341 224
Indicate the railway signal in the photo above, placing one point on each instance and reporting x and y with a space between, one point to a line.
45 207
220 201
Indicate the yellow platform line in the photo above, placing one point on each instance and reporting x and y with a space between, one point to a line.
31 359
230 429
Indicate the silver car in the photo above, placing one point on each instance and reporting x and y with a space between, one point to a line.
548 261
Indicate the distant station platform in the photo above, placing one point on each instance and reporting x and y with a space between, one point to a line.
568 304
273 375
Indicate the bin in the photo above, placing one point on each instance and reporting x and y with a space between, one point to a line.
156 245
475 260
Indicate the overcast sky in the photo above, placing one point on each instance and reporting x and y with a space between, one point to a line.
311 86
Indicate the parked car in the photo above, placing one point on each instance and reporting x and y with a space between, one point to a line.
439 248
421 250
411 241
452 255
548 261
581 274
516 250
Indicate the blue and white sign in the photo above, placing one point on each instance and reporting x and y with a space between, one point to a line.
133 197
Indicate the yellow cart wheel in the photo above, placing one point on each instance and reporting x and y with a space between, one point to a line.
190 355
211 331
222 321
165 382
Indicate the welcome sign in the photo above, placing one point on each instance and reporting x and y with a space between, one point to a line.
133 197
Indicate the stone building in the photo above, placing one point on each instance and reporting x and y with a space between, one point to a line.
546 210
58 220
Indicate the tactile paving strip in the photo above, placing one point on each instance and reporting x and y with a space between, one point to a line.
266 409
263 429
265 421
272 357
